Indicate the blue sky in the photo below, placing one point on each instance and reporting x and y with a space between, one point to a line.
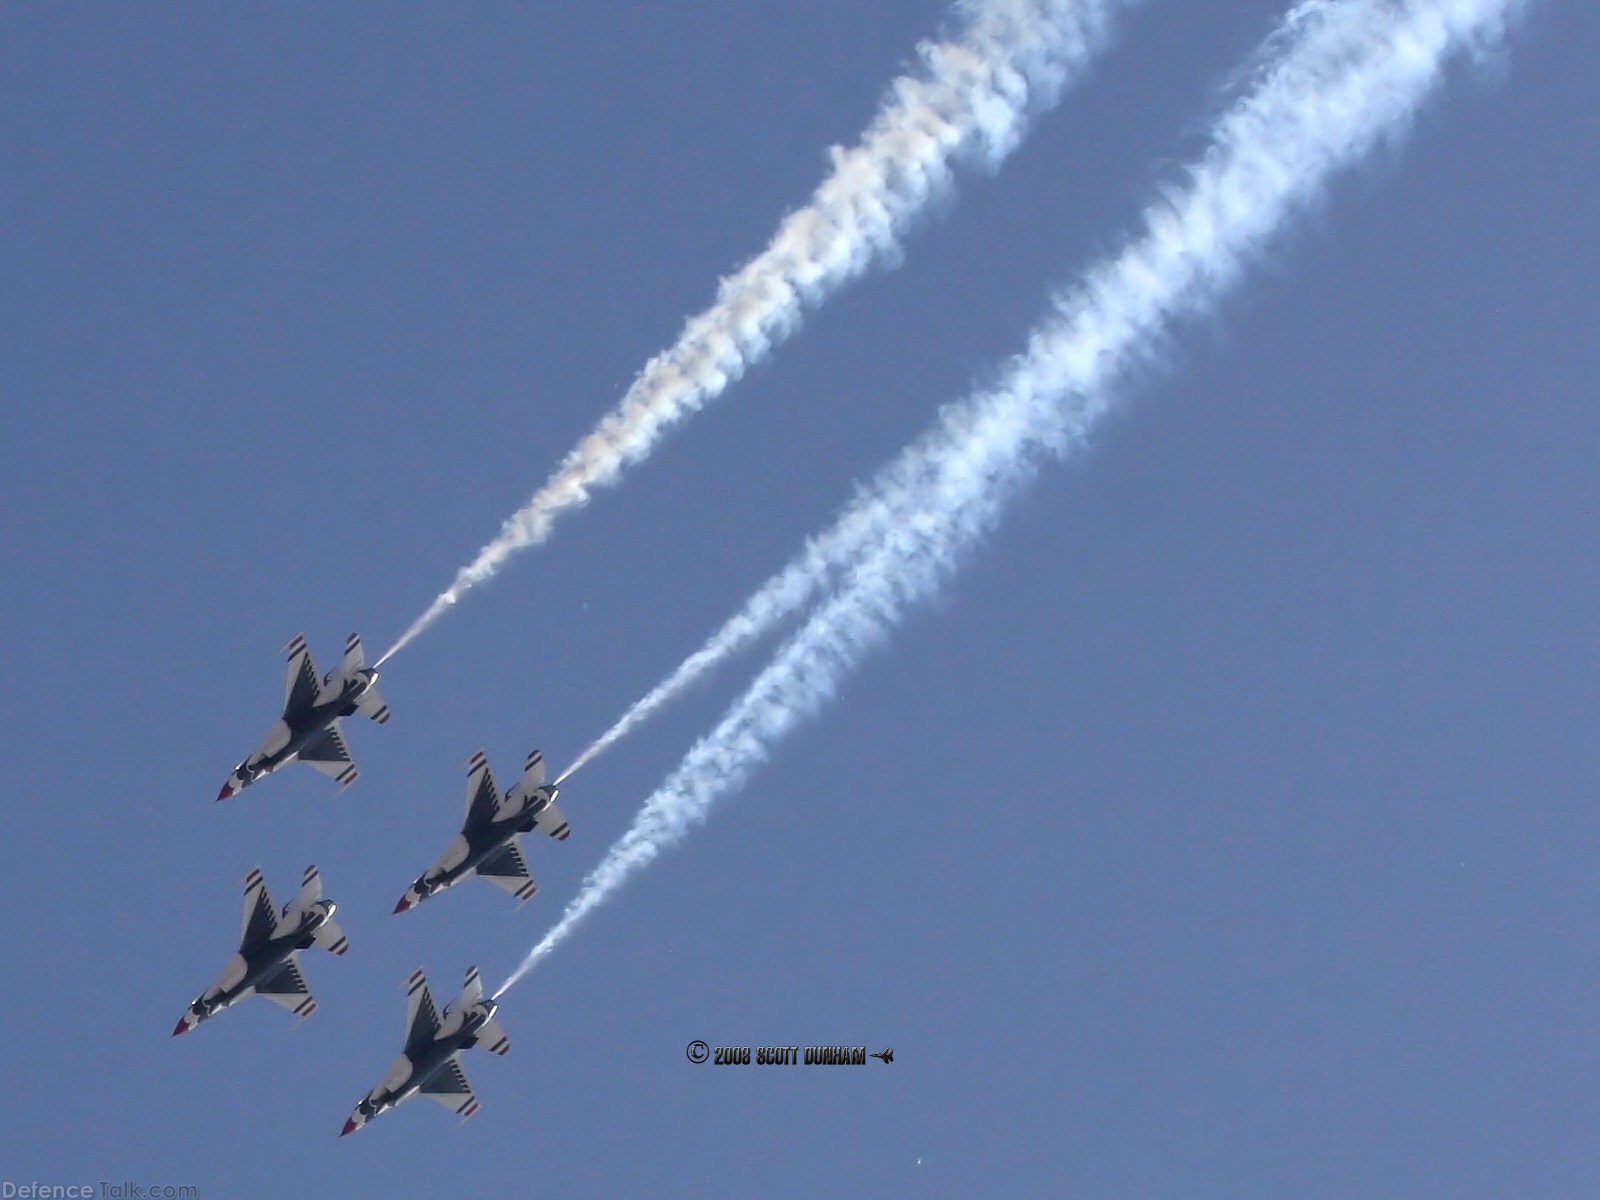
1224 830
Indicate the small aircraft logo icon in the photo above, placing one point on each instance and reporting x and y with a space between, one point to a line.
885 1055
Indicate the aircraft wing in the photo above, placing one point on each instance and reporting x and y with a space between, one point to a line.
508 869
260 917
328 754
483 798
288 988
422 1017
448 1085
300 684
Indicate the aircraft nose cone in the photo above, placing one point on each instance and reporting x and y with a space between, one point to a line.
405 903
350 1126
227 790
183 1027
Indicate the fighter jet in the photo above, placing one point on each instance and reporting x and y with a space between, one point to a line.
267 963
430 1064
309 727
488 842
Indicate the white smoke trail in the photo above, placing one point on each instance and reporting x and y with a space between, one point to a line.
1340 76
783 594
972 99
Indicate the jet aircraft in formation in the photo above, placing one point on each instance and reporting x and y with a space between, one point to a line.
488 844
267 961
309 730
430 1064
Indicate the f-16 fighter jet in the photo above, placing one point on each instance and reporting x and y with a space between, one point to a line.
267 963
309 728
430 1064
488 843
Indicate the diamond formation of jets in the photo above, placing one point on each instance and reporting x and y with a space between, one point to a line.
430 1063
488 844
268 962
309 730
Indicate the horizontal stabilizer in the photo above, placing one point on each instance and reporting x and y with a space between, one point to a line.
530 792
310 889
533 773
330 937
492 1037
551 820
473 991
373 705
354 659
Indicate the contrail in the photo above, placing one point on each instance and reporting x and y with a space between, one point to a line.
1339 77
972 99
